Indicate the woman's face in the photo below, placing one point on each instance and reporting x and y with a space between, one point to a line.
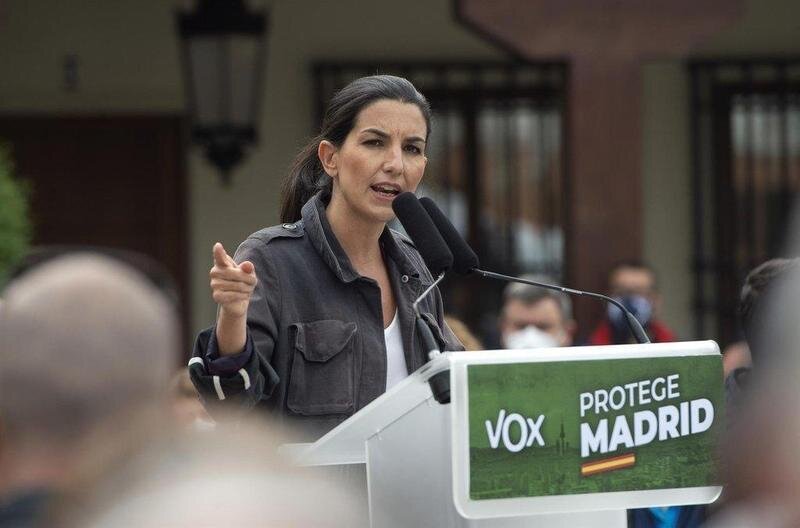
382 156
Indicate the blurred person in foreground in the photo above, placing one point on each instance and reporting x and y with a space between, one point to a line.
534 317
634 284
756 293
226 477
761 460
86 347
735 356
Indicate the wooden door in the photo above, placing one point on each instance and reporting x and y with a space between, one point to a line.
115 182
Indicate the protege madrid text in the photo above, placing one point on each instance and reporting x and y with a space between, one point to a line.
666 422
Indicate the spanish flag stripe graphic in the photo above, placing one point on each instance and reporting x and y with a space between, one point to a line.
608 464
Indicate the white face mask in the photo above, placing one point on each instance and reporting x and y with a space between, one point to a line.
530 337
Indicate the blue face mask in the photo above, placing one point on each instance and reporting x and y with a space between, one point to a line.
638 305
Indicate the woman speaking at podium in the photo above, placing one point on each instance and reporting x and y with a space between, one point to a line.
315 317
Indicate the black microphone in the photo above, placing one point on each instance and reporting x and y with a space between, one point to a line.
466 261
438 259
426 236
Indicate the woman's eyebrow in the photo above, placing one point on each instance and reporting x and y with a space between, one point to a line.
380 133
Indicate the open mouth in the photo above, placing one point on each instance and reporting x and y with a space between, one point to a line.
387 191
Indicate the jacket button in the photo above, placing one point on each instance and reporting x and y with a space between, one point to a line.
289 226
404 278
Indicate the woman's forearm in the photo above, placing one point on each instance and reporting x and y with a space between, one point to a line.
231 333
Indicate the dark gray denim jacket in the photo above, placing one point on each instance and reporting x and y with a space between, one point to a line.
315 350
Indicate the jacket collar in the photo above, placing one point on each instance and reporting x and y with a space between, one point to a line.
320 234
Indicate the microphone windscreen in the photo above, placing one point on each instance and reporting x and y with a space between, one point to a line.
464 259
423 233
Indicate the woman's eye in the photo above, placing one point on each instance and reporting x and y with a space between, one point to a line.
373 142
413 149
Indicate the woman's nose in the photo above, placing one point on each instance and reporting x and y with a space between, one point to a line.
394 160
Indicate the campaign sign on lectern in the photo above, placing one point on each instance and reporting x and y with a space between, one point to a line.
613 428
555 438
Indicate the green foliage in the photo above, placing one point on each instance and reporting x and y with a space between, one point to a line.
15 225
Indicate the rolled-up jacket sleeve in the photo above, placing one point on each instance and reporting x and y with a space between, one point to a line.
245 378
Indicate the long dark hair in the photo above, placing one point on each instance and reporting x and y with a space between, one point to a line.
306 176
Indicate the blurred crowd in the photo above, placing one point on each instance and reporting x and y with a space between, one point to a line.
98 426
98 429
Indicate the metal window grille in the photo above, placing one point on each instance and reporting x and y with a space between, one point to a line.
496 165
745 119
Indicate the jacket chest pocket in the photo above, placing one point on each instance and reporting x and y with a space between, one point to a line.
322 377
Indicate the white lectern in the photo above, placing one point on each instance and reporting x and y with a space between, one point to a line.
417 451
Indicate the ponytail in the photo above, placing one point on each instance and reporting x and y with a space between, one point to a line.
306 178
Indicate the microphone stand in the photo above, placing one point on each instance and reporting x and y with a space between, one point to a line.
638 332
439 382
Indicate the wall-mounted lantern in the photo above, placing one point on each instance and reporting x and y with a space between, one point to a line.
223 48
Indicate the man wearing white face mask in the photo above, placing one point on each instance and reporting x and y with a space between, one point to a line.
535 317
633 283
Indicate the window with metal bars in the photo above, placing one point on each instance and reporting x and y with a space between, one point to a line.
496 166
746 162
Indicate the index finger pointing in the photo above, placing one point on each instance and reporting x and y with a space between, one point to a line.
221 257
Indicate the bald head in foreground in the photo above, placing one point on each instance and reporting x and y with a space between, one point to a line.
84 341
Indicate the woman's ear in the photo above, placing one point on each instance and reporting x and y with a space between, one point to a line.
328 157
